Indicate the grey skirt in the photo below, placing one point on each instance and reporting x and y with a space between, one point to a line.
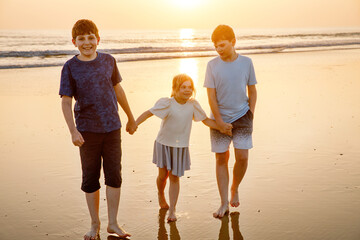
174 159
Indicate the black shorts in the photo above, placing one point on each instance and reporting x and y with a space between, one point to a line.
97 146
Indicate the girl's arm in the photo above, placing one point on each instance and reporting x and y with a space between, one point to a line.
143 117
212 124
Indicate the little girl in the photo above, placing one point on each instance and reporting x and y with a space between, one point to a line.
171 147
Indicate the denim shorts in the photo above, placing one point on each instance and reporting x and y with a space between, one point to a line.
105 149
241 135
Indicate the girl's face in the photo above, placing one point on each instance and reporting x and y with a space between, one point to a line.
185 91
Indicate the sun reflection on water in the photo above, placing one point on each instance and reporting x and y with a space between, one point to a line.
186 37
190 67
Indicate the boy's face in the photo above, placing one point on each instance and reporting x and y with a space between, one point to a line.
225 48
86 44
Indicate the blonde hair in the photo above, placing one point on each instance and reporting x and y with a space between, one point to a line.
178 80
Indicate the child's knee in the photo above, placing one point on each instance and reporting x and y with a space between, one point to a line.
222 158
173 178
241 159
163 177
90 186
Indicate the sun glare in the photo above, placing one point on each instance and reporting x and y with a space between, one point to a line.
187 3
186 36
186 33
190 67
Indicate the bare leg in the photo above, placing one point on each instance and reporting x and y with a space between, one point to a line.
240 166
174 190
113 199
161 183
92 200
222 177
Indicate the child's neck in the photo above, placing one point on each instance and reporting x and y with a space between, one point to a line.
231 57
86 58
180 100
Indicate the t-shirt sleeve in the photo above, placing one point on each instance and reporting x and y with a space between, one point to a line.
199 113
209 78
161 108
115 77
67 84
252 77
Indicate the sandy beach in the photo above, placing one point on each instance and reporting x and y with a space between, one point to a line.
303 179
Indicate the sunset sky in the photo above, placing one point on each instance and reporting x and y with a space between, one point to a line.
170 14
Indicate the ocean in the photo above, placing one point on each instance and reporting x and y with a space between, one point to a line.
44 48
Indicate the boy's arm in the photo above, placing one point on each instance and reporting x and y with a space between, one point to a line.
121 98
143 117
252 93
212 124
66 105
223 127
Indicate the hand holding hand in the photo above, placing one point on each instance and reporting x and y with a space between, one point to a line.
131 127
228 129
77 138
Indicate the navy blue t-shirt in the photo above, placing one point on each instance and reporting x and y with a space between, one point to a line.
91 84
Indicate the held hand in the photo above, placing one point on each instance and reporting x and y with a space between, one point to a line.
131 127
77 138
225 128
228 128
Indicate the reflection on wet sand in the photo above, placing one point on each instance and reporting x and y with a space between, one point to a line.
113 237
235 225
162 233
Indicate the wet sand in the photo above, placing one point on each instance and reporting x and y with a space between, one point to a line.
303 180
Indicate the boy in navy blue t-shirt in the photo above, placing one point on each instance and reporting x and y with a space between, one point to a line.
93 79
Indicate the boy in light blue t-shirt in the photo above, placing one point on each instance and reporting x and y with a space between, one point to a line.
230 81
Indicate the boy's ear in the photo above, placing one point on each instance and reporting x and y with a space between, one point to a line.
98 40
233 41
74 42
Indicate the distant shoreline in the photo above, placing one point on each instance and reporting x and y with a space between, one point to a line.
151 58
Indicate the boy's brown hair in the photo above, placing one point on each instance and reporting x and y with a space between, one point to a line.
222 32
84 26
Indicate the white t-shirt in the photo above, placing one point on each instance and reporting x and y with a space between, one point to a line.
177 120
230 80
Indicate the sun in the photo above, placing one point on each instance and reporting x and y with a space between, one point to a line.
187 3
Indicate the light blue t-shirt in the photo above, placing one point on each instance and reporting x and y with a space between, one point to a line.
230 80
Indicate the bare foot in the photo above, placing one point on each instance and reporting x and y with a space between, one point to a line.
234 201
172 216
114 228
223 209
93 234
162 201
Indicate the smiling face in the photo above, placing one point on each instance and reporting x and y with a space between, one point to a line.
87 45
225 49
184 92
